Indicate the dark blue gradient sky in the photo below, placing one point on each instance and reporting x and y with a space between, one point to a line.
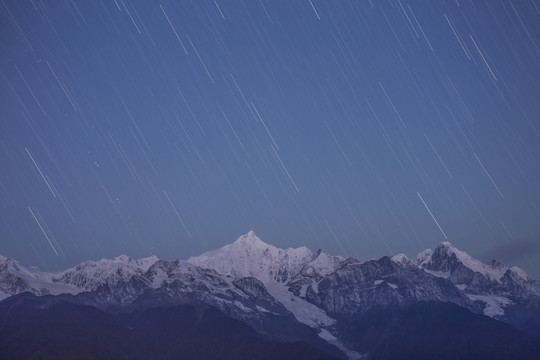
362 127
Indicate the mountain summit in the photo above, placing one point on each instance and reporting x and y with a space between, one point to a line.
447 259
250 256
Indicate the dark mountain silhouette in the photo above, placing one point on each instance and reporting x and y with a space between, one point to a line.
435 330
48 328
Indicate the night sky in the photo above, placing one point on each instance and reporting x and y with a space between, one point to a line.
366 128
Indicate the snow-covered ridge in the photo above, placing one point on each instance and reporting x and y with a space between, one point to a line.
299 271
91 274
15 278
400 258
248 256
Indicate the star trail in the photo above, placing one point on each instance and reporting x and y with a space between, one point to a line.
173 127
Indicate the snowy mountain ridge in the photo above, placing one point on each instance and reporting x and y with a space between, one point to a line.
87 276
257 282
249 256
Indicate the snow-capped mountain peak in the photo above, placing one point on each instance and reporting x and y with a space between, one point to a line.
250 256
322 264
492 284
15 278
519 272
400 259
446 258
423 257
9 263
251 239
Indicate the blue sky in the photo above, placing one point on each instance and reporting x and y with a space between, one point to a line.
363 127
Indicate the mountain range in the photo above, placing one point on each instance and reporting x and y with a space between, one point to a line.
253 300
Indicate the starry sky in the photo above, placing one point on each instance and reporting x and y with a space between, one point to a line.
366 128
